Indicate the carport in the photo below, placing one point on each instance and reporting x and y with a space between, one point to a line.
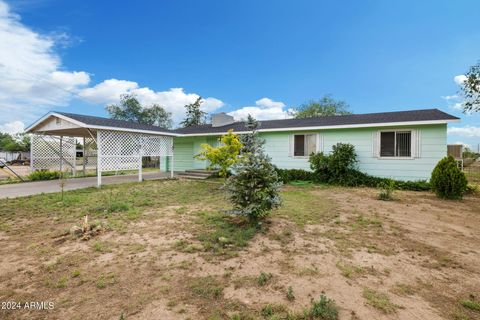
108 144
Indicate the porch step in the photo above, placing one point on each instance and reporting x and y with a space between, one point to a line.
198 174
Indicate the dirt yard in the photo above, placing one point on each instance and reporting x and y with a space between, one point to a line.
165 250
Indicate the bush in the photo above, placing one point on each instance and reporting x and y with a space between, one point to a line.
447 180
287 175
386 190
44 175
337 167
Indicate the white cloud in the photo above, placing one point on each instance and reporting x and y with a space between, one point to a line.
269 103
452 97
172 100
107 91
460 79
32 79
12 127
265 109
467 131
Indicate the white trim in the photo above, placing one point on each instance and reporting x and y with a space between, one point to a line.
346 126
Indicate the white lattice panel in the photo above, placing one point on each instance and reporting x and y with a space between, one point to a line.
90 154
46 152
124 150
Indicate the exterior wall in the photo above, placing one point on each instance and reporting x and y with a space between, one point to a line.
433 141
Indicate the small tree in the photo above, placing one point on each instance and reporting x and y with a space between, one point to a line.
471 89
195 116
254 189
447 180
224 156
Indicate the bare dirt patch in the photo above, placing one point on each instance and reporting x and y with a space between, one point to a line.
169 253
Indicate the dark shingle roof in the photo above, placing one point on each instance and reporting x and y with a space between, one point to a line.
106 122
352 119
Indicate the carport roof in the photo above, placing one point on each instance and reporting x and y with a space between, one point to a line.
99 123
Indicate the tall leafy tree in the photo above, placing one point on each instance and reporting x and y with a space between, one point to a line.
18 142
194 116
326 106
471 89
130 109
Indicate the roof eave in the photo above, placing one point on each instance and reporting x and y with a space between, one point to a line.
84 125
348 126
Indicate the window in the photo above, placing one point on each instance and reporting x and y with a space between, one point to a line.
396 144
58 121
304 144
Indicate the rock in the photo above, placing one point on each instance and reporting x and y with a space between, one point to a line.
223 240
76 231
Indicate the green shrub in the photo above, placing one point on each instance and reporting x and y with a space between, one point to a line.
288 175
324 309
339 167
44 175
447 180
263 278
386 190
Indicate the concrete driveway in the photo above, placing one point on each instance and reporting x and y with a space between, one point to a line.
31 188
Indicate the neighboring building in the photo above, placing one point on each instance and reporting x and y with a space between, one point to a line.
403 145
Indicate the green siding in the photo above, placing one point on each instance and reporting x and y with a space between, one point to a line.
433 147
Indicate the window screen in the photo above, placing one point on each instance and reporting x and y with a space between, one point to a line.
403 148
299 147
387 144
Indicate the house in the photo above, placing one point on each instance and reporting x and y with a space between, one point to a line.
404 145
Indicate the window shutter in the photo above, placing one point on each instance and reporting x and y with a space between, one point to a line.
416 144
290 145
375 144
319 142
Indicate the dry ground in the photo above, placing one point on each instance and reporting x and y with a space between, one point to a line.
164 250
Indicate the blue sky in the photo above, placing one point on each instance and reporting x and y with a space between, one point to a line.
261 57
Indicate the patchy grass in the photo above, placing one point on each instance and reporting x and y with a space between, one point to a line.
379 301
470 304
207 288
223 234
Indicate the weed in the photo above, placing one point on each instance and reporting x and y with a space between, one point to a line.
76 273
290 295
263 278
386 190
62 282
470 304
379 301
324 309
207 288
403 289
349 271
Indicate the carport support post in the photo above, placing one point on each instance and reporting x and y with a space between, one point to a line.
61 153
171 166
140 177
83 156
99 160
